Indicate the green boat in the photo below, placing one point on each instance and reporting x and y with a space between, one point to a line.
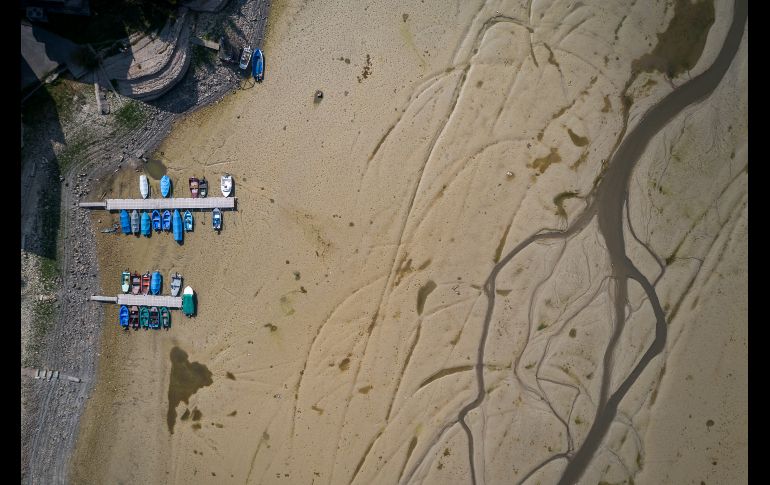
165 317
144 317
188 301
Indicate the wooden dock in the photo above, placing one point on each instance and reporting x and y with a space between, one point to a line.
142 300
162 204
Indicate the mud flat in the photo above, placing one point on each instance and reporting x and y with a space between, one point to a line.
347 329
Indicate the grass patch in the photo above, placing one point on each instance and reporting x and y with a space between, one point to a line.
74 152
43 317
202 56
130 116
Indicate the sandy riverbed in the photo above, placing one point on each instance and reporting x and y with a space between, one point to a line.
341 307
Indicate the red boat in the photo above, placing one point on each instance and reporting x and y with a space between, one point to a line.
136 284
194 185
133 317
146 283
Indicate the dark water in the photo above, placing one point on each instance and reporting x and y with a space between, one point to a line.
186 378
155 168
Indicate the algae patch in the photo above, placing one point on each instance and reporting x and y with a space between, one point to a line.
422 295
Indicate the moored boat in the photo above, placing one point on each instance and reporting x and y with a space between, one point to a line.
146 283
136 283
124 316
135 222
188 301
227 184
245 57
216 219
125 283
125 222
165 317
155 282
133 317
144 186
154 317
144 317
203 187
188 221
258 65
166 220
176 284
165 186
146 224
178 229
194 185
156 223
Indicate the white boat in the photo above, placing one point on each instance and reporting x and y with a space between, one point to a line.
144 186
227 184
176 284
245 57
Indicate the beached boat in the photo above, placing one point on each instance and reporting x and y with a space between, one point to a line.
144 186
136 283
165 317
146 283
176 284
125 222
216 219
144 317
166 220
125 281
165 185
178 230
227 184
124 316
156 282
154 317
245 57
135 222
146 224
188 221
194 185
133 317
188 301
258 65
203 187
156 222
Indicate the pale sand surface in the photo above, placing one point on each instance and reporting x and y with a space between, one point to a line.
345 295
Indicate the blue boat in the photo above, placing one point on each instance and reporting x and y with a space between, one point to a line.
188 221
156 220
216 219
124 316
165 185
146 229
155 282
258 65
166 220
178 231
125 222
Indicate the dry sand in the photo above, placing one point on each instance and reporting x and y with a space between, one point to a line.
341 307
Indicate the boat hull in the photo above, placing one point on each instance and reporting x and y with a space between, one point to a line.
125 222
165 186
166 221
178 229
188 221
146 224
155 283
144 186
135 222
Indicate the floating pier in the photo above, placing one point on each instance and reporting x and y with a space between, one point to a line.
161 204
141 300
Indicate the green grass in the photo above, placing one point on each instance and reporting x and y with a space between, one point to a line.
74 152
130 116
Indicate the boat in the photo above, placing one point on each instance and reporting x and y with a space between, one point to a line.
154 317
203 187
125 222
245 57
188 221
178 233
227 184
165 185
144 186
146 283
188 301
216 219
144 317
166 220
136 283
176 284
125 283
133 317
124 316
258 65
194 187
156 224
146 224
156 282
165 317
135 222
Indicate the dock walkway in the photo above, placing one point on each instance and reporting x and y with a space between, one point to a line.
142 300
161 204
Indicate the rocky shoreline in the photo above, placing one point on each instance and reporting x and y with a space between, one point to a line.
51 409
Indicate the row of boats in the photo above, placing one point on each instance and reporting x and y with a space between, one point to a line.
257 62
145 317
148 284
198 188
147 222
